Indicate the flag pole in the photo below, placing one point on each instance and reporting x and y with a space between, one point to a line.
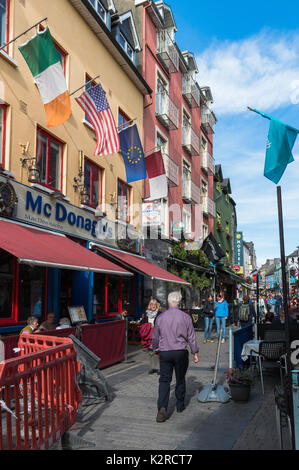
85 84
286 310
22 34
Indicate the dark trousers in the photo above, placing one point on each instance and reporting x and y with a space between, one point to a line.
179 361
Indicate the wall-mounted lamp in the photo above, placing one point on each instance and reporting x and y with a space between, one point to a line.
33 169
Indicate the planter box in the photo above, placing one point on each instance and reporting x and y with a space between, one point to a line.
239 392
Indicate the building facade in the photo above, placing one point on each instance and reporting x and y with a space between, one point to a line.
51 182
177 120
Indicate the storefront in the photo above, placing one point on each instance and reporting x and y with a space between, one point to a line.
45 263
149 279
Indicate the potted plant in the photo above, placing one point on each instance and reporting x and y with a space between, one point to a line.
239 382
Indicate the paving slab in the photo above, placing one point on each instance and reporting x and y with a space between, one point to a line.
129 421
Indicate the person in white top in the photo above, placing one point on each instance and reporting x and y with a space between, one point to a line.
64 322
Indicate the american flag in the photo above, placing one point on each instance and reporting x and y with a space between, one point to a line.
94 102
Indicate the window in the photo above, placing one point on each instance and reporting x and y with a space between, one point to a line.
31 292
61 53
186 222
204 188
123 201
6 284
186 180
98 7
162 95
126 47
161 143
186 128
123 120
205 231
4 21
93 182
62 57
2 133
49 153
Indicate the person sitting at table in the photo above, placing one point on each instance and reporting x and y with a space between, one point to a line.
64 322
49 324
269 318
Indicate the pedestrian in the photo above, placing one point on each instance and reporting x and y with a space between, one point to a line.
64 322
209 315
262 306
277 306
173 333
48 324
146 333
32 324
247 312
221 316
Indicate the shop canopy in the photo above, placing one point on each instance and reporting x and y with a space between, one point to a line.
42 248
140 264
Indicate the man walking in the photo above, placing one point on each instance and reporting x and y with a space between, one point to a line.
173 332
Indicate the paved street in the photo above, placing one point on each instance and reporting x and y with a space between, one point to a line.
128 422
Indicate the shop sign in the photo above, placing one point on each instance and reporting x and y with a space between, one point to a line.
151 214
239 257
45 211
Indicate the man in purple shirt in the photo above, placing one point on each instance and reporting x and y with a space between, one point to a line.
173 332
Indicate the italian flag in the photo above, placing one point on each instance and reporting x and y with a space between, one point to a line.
43 61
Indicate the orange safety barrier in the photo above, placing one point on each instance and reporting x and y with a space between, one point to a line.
39 395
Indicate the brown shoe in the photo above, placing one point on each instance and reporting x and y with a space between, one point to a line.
161 416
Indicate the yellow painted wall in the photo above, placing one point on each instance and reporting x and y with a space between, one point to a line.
86 54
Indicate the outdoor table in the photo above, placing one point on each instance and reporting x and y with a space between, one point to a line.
250 348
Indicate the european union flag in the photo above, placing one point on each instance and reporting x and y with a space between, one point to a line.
281 140
132 152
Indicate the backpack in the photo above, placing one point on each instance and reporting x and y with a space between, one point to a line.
244 313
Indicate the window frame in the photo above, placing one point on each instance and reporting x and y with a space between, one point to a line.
3 107
94 6
128 212
125 119
61 145
13 319
7 31
99 169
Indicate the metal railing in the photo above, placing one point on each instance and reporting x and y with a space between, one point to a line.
167 51
208 206
166 110
191 91
195 193
207 162
190 141
39 395
172 170
208 121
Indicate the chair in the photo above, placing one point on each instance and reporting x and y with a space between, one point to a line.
271 351
274 335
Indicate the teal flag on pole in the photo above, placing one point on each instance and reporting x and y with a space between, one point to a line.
281 140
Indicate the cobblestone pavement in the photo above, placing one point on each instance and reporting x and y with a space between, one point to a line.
129 421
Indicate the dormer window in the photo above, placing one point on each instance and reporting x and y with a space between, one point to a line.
124 31
99 8
126 46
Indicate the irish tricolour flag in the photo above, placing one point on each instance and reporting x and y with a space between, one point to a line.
43 61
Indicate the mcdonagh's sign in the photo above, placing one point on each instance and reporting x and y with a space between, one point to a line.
45 211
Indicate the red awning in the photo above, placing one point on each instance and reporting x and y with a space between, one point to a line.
141 265
42 248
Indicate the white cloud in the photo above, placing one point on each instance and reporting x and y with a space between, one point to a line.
261 71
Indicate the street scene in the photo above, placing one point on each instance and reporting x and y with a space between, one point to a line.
149 253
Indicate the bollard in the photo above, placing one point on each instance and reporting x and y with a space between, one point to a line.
231 351
126 360
2 351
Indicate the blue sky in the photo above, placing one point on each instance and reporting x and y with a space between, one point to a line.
249 56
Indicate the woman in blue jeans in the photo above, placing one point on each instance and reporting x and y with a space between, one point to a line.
221 315
209 314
